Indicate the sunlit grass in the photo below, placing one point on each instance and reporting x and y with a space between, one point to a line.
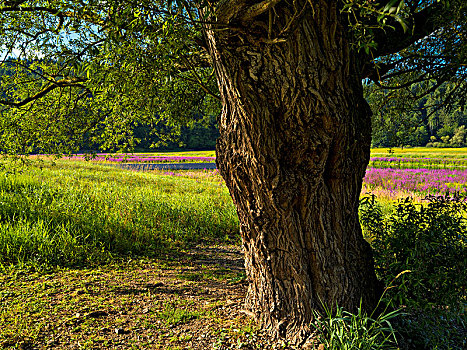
420 152
83 214
76 213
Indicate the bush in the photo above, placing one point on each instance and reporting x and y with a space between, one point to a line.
429 240
459 137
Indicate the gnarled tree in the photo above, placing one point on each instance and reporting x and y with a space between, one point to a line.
295 127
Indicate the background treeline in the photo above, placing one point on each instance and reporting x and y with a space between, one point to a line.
200 134
399 120
418 116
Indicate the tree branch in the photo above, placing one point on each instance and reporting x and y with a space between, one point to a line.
423 24
57 84
60 13
258 9
30 9
229 10
52 11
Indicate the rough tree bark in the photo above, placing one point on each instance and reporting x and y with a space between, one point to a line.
294 146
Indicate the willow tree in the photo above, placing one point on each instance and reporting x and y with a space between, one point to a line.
295 129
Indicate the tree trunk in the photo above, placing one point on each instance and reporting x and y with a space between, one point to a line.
294 146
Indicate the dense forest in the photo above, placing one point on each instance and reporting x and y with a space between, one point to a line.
403 118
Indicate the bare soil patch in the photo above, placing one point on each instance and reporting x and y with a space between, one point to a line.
189 300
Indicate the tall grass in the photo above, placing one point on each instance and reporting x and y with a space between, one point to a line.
77 213
343 330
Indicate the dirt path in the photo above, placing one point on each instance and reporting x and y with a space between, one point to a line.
191 300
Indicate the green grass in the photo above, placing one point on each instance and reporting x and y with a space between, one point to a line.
342 330
217 273
175 313
128 242
76 213
421 152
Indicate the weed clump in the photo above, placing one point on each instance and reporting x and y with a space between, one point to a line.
429 240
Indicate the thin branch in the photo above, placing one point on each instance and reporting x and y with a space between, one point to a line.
52 11
199 81
228 9
57 84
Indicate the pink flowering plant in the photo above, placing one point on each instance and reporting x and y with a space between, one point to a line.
422 180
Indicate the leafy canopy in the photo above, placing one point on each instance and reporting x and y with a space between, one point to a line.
94 70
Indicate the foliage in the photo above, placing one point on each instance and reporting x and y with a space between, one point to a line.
424 84
440 329
399 120
458 139
91 73
94 72
429 240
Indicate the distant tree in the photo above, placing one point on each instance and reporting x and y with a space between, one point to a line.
421 136
295 128
458 139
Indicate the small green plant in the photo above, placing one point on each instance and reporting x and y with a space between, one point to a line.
342 330
172 314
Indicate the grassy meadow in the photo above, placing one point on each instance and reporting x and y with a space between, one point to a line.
98 257
75 213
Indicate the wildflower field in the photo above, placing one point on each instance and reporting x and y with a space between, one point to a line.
99 257
392 173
